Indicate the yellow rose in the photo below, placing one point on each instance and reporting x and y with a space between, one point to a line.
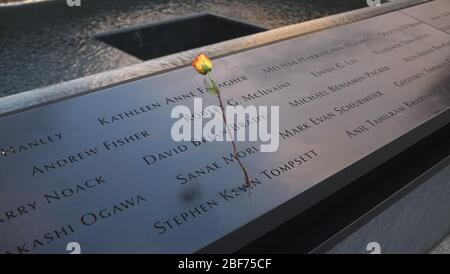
202 64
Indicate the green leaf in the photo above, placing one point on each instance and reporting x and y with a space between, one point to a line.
209 86
212 91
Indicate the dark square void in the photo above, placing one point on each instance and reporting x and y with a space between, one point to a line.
180 34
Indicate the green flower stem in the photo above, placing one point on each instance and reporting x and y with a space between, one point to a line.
244 170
